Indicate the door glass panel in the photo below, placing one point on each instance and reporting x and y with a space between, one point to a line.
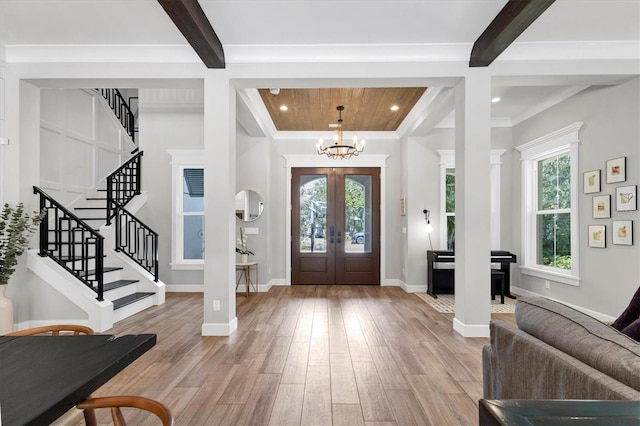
313 214
357 204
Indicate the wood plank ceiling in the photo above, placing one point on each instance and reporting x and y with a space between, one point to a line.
365 109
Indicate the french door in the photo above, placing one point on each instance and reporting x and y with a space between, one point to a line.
335 225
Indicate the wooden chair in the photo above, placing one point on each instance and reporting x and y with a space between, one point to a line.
53 330
116 402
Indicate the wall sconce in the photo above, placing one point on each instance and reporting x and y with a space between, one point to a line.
428 226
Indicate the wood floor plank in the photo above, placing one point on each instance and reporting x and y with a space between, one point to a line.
287 408
290 359
295 368
390 375
406 409
316 407
373 400
343 381
347 415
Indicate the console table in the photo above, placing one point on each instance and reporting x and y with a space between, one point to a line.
442 280
245 271
557 412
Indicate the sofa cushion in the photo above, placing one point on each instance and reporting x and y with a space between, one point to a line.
630 314
581 336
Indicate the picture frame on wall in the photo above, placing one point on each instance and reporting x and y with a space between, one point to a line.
622 232
617 170
597 236
602 206
591 181
626 198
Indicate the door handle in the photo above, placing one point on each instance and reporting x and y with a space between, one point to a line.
331 233
339 237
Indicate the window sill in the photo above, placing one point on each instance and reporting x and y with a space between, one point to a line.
188 266
550 275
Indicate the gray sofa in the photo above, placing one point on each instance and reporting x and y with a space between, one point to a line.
557 352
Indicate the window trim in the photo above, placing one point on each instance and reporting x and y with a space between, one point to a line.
180 160
448 161
560 141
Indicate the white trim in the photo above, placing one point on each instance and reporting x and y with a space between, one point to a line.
471 330
219 329
181 159
422 288
314 53
184 288
448 161
559 141
314 160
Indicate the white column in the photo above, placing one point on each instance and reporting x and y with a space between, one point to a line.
219 186
473 237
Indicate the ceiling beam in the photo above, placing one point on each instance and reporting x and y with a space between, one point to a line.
192 22
513 19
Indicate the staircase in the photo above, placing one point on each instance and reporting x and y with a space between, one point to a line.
102 245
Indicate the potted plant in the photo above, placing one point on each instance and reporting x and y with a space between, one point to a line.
15 227
242 248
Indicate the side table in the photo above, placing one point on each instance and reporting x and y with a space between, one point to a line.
558 412
245 271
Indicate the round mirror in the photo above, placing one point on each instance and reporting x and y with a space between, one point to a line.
249 205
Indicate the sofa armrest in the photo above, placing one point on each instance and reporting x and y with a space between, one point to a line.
516 365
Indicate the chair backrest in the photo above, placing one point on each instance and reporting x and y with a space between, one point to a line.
116 402
53 330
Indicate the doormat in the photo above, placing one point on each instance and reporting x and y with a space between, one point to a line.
445 303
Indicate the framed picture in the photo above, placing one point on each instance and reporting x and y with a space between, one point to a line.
626 198
623 232
601 206
597 236
617 170
591 181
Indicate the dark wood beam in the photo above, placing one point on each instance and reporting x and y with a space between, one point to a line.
513 19
192 22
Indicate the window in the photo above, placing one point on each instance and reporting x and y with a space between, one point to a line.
549 200
187 249
448 198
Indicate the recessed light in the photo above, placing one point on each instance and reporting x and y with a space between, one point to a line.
283 107
496 99
395 108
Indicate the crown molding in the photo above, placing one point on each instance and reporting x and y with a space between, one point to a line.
319 53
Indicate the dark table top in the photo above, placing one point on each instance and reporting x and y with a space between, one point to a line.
42 377
550 412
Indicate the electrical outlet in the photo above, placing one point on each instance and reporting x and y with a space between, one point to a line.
547 284
216 305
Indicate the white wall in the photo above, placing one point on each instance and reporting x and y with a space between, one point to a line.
81 143
611 129
169 119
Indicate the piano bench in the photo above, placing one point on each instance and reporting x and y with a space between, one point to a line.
497 277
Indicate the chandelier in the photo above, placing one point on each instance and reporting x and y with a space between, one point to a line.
339 149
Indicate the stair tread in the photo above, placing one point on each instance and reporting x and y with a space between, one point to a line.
117 284
127 300
89 208
96 198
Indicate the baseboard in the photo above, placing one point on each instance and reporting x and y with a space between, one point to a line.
184 288
470 330
220 329
597 315
406 287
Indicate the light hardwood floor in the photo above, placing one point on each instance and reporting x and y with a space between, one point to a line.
313 355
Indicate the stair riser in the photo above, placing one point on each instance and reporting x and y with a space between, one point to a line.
119 292
133 308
